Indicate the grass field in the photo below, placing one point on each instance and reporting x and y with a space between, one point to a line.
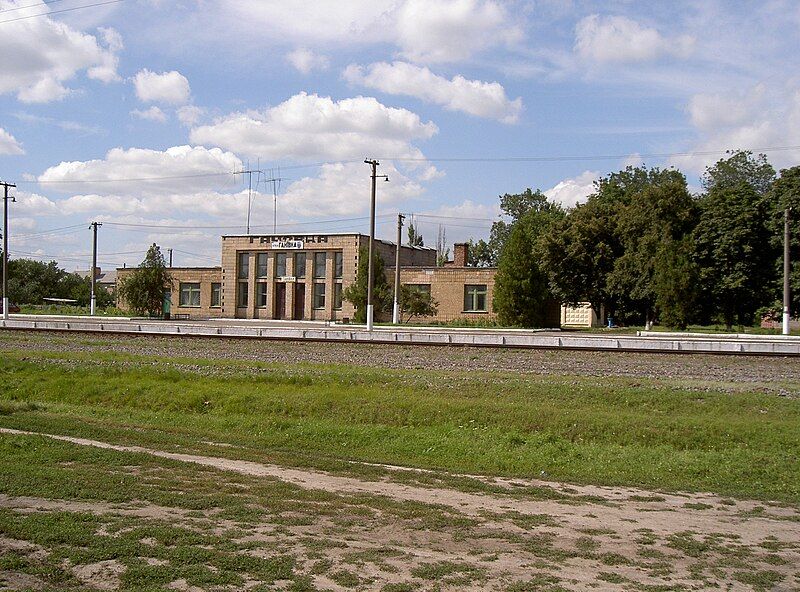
648 428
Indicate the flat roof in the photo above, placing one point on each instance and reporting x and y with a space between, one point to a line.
302 234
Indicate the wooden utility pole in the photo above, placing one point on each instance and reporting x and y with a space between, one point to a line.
786 290
370 310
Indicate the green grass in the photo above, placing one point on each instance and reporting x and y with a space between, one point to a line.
655 432
69 310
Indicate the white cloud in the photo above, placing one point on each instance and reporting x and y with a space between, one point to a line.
621 39
309 127
189 115
482 99
715 110
9 144
151 114
305 60
183 166
761 119
452 30
167 87
571 192
33 204
39 55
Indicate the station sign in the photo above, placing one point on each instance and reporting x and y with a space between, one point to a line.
287 279
287 244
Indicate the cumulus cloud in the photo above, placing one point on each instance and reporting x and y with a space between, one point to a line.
482 99
196 167
167 87
715 110
9 144
571 192
308 127
452 30
304 60
445 31
39 55
620 39
151 114
757 120
189 115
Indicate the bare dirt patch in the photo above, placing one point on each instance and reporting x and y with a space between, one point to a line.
585 538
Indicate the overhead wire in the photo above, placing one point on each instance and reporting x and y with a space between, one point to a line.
63 10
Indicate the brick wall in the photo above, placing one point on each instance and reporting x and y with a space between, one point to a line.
447 288
204 276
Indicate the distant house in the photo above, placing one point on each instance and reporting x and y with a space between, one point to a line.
107 279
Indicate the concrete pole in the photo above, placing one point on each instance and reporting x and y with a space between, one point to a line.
5 249
396 308
786 295
370 309
93 304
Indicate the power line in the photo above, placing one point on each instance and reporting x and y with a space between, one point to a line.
96 4
38 4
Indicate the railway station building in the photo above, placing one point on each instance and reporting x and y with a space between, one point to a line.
303 277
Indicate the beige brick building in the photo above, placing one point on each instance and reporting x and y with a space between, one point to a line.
302 277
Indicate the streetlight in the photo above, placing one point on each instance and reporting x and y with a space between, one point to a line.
370 310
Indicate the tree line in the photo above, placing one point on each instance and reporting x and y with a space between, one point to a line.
30 282
644 249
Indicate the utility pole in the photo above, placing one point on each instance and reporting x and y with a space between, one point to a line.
249 172
170 256
6 197
786 300
396 309
370 310
93 304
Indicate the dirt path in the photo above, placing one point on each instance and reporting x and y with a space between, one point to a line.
625 510
576 538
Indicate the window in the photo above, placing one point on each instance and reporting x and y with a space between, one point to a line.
319 295
475 298
244 266
337 296
280 264
320 261
261 294
242 296
190 294
300 265
424 288
216 294
261 265
338 261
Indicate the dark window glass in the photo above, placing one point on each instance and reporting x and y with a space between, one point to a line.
190 294
244 266
261 265
320 262
319 295
261 294
424 288
242 297
337 296
300 265
475 298
216 294
338 264
280 264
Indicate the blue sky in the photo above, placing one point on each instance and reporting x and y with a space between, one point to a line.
136 113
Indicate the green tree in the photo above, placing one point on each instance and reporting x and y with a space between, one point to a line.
356 293
414 238
416 303
479 254
675 281
734 247
513 206
521 292
143 290
659 211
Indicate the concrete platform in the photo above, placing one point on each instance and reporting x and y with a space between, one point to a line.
763 345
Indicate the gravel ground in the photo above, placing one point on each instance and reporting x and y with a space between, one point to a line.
781 374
